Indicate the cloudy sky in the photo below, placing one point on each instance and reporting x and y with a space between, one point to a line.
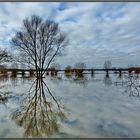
97 31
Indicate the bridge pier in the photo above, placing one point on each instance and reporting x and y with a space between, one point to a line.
92 73
14 73
23 73
137 73
47 72
107 73
31 72
120 73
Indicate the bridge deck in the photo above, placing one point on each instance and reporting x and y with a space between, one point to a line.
64 70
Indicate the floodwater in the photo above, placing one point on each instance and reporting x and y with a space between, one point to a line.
69 107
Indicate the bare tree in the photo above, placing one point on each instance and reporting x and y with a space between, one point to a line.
55 65
68 71
68 67
80 65
5 56
107 64
40 41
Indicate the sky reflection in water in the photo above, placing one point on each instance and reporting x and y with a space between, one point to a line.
91 107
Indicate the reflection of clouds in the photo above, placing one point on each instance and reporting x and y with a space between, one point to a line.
7 127
95 110
97 104
112 127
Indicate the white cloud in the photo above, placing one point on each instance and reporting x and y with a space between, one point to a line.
112 29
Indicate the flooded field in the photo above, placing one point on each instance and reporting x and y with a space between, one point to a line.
88 106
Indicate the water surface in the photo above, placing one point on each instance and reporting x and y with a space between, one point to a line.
95 106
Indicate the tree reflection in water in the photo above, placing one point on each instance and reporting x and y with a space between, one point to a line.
39 114
80 80
107 80
4 95
132 85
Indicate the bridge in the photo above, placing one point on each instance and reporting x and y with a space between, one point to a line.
15 71
28 70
